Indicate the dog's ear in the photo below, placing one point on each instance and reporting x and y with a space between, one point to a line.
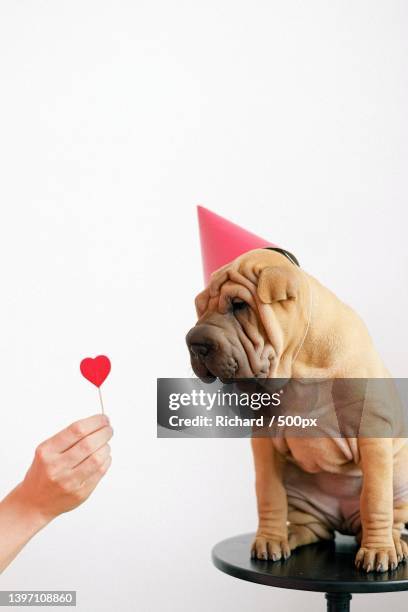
277 284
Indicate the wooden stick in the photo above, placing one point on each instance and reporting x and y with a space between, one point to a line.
100 398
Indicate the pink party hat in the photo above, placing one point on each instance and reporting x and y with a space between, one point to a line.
223 241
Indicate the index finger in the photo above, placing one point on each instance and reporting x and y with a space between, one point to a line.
69 436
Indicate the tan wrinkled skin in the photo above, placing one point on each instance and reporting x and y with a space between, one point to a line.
294 327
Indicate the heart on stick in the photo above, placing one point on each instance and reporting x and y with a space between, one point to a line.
95 370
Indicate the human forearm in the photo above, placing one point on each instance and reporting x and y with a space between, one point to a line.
19 522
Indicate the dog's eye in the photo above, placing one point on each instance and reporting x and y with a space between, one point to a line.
238 305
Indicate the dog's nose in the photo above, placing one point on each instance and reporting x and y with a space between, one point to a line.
200 349
200 341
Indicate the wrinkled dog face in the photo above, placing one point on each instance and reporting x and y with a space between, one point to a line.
248 318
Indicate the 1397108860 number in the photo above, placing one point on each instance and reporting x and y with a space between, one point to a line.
38 598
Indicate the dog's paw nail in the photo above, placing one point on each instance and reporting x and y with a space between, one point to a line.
286 555
358 564
274 557
379 567
393 566
368 568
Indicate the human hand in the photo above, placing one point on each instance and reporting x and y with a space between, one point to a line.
67 467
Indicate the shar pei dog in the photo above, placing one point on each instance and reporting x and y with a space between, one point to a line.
262 316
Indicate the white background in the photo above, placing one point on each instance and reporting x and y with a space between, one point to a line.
118 117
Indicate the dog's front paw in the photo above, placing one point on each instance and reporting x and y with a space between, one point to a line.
270 548
378 558
401 546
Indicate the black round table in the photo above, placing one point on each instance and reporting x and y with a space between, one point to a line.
327 567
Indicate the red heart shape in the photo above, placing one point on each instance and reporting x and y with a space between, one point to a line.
95 370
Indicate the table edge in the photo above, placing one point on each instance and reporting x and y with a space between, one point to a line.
300 584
